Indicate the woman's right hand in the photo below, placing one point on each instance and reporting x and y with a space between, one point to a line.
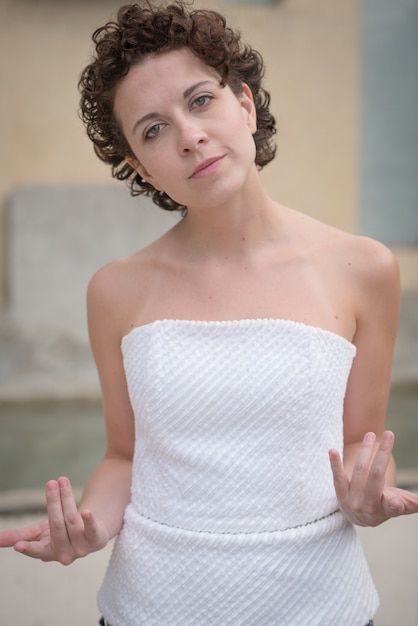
65 536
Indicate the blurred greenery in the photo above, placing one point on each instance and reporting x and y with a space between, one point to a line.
402 418
39 442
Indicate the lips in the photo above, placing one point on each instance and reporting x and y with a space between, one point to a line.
208 167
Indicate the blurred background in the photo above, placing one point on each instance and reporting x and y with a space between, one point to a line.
343 76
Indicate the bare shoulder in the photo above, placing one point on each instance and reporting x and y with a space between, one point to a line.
121 290
108 282
114 287
120 275
359 274
374 266
369 272
370 262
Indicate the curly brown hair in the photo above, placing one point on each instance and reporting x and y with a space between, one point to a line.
141 30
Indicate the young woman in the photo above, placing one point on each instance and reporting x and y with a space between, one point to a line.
244 358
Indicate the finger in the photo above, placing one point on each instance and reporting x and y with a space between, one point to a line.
393 506
341 481
35 550
400 502
73 522
9 538
91 528
378 468
362 463
58 530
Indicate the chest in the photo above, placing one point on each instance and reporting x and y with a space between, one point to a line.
289 290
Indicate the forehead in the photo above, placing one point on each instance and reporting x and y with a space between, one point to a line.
166 71
183 59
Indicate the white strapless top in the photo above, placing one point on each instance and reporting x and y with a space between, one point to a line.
234 518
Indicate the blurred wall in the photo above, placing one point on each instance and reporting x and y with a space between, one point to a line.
389 121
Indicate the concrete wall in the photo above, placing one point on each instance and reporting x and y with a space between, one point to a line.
57 238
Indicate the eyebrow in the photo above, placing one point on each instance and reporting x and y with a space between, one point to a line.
186 94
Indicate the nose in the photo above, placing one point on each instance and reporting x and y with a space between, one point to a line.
191 137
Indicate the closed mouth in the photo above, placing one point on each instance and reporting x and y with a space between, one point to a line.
207 167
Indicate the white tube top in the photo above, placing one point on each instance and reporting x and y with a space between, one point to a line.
234 518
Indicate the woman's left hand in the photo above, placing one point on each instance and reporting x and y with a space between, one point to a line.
366 499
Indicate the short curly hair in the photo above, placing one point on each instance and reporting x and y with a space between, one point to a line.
141 30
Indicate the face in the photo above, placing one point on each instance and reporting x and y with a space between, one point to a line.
191 137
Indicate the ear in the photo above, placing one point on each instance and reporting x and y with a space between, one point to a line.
247 103
140 169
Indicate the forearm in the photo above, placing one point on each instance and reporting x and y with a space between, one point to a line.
350 454
107 492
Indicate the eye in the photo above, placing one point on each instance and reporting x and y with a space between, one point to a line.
153 130
201 101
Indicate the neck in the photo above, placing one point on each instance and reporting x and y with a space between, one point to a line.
233 231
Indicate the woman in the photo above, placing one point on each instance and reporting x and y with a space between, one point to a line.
241 356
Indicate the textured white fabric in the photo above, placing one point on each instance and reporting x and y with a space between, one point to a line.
233 518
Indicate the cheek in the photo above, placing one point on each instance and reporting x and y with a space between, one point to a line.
246 139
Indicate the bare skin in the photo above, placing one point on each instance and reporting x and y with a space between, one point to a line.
237 254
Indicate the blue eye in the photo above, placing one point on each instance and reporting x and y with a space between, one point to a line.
153 131
202 100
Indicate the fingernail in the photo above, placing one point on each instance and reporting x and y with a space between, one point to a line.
52 485
63 482
369 437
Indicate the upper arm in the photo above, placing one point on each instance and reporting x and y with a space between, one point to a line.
105 326
377 296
